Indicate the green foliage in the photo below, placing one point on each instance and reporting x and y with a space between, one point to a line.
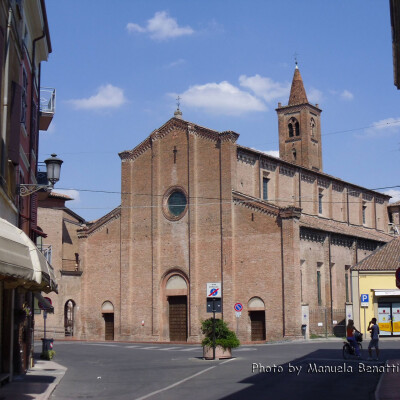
47 355
224 337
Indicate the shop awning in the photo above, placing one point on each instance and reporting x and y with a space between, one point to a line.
21 262
386 292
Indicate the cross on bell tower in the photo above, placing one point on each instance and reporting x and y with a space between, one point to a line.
299 125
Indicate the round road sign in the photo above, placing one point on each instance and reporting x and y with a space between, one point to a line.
238 307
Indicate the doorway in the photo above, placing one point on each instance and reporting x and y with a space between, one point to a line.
177 318
389 318
69 318
257 320
109 326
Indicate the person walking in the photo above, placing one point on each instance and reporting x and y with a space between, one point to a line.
350 330
374 342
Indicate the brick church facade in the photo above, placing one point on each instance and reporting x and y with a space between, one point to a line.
196 207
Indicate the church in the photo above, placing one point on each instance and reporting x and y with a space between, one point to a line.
278 234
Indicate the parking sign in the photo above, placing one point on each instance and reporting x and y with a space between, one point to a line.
364 300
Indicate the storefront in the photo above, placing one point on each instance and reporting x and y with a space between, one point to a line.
374 291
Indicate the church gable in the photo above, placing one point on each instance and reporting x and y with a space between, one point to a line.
176 126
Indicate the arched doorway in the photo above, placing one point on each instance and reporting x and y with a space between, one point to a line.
69 317
176 291
107 310
256 309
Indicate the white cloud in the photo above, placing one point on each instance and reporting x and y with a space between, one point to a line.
161 27
347 95
273 153
314 95
71 193
221 98
395 195
107 96
384 127
176 63
265 87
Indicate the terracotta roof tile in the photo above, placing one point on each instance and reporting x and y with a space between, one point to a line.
386 258
297 91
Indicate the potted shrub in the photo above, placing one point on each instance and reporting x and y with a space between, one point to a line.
225 339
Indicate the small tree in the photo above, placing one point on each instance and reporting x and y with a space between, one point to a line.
224 337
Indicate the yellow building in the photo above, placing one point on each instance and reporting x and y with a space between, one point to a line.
374 290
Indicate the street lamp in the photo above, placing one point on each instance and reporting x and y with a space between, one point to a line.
53 168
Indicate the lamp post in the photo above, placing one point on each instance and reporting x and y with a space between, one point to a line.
53 168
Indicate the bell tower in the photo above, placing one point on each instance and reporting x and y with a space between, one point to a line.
299 125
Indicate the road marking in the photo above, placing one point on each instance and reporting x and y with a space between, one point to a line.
231 359
175 384
246 349
190 349
170 348
130 347
149 348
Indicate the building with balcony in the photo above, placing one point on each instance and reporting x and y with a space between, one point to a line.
24 44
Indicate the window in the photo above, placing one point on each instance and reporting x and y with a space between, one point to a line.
312 125
290 127
177 203
297 128
364 210
24 97
265 188
293 127
294 154
320 197
319 288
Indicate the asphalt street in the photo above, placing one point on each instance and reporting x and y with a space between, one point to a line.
296 370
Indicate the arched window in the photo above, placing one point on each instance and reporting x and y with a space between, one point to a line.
69 318
293 127
297 128
312 126
294 154
290 127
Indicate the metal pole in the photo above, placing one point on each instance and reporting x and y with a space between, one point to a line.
326 325
213 329
365 322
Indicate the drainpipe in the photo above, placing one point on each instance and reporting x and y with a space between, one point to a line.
5 99
31 124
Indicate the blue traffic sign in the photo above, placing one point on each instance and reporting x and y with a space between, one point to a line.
238 307
364 300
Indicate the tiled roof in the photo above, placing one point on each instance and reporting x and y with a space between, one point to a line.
60 196
297 91
328 225
386 258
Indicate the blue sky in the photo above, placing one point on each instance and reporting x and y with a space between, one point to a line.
118 67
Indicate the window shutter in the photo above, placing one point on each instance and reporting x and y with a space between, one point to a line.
15 127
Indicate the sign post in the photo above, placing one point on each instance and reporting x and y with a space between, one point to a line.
214 292
365 304
238 311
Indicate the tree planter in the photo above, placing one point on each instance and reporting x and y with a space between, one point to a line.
220 352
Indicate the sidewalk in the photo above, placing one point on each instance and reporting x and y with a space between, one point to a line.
38 383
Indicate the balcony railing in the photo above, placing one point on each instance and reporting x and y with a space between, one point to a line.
47 107
71 267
